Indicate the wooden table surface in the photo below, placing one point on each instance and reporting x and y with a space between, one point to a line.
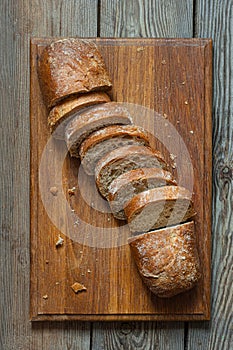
22 19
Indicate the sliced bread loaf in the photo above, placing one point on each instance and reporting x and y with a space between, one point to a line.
159 207
167 259
123 159
94 118
70 67
61 114
107 139
127 185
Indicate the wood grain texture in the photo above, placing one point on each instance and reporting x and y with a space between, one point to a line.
146 18
138 335
19 21
214 19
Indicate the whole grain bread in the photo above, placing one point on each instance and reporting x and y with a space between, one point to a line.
71 66
107 139
127 185
167 259
159 207
61 114
123 159
94 118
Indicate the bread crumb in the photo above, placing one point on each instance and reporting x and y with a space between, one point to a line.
172 156
183 83
76 223
45 297
57 283
109 219
82 274
89 271
81 252
78 287
71 191
140 49
177 122
53 190
186 102
46 261
191 132
166 124
174 165
164 62
165 115
72 210
59 242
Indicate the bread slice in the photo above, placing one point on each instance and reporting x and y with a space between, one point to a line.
167 259
123 159
107 139
94 118
159 207
61 114
70 67
127 185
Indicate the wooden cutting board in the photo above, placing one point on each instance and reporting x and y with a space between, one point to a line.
173 78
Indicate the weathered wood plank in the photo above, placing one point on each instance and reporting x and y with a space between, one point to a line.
214 19
20 20
138 335
143 19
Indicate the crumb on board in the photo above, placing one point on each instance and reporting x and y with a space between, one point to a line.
191 132
140 49
78 287
59 242
46 261
45 297
53 190
186 102
164 62
165 115
57 283
88 270
71 191
76 223
174 165
173 156
81 252
183 83
177 122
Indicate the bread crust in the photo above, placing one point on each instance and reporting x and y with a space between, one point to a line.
62 112
167 259
71 66
121 154
167 196
111 132
139 181
94 118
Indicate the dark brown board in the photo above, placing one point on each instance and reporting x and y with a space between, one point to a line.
172 77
